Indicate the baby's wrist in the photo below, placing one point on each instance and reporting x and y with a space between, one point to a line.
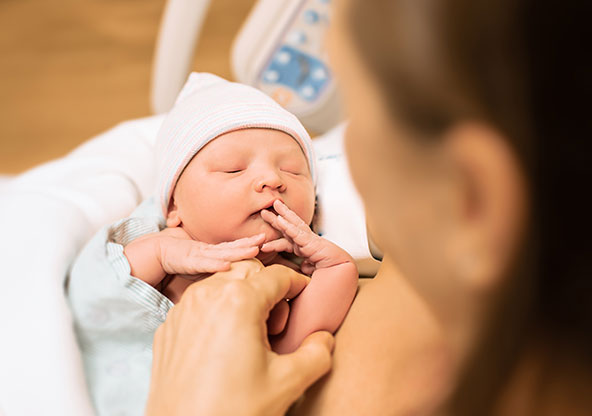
143 257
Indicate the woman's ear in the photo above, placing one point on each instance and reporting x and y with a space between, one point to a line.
491 204
173 218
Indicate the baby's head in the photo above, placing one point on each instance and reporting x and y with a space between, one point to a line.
225 152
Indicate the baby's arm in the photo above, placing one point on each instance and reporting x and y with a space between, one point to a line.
172 251
323 304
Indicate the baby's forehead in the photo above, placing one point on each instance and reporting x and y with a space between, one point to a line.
253 141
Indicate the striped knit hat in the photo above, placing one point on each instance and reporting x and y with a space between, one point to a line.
207 107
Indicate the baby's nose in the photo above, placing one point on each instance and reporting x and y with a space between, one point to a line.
269 178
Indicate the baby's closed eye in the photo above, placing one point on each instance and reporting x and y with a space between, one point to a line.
292 171
228 167
293 168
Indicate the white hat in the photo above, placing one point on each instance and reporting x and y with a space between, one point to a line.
207 107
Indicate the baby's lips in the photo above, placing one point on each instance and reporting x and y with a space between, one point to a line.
270 210
280 202
269 206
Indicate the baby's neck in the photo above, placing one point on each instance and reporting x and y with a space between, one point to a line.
267 258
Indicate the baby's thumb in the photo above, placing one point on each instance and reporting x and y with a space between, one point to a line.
307 364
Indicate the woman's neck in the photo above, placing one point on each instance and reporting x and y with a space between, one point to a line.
459 320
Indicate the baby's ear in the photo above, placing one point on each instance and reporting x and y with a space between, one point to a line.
173 219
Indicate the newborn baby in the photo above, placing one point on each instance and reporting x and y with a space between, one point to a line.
236 181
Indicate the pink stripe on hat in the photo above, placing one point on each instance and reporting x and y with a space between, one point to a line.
207 107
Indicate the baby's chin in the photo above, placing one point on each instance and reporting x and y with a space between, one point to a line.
258 228
270 232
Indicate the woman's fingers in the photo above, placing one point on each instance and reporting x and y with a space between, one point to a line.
278 317
298 370
275 283
210 350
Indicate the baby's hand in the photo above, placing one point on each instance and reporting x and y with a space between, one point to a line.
299 239
185 256
172 251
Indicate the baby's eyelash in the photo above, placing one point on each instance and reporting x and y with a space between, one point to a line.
296 173
233 171
292 171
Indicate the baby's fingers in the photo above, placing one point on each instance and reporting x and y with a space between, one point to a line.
270 218
252 241
278 245
288 214
227 254
290 230
307 268
206 265
300 234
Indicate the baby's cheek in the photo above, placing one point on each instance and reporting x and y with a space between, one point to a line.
311 201
305 206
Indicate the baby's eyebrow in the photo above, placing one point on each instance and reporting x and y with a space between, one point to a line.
291 153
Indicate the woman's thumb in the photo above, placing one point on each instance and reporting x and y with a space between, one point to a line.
308 363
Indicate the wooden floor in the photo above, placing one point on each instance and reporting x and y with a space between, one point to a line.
70 69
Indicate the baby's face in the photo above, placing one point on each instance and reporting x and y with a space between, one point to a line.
222 191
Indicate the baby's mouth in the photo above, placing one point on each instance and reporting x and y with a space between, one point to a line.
270 209
257 214
267 208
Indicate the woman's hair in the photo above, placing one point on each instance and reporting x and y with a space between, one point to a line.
523 67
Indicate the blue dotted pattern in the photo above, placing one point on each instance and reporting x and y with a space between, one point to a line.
302 73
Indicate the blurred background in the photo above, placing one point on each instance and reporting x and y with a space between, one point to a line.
70 69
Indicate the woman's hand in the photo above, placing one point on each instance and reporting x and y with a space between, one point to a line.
212 357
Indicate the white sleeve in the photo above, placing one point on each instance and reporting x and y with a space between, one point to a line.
46 216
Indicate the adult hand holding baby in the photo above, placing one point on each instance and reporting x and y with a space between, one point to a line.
230 368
